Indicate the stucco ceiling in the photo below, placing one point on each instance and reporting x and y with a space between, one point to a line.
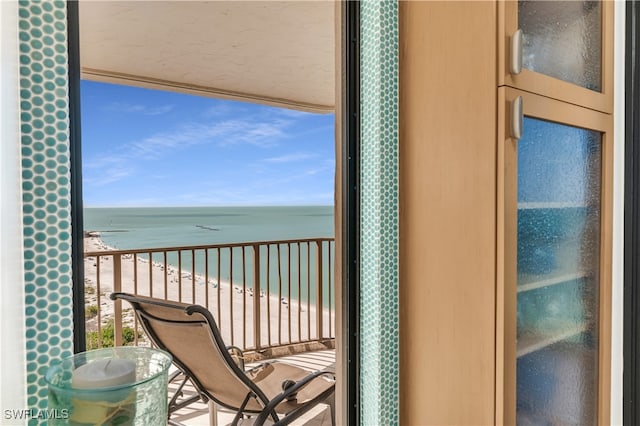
276 52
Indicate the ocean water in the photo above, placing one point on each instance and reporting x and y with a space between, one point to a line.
139 228
132 228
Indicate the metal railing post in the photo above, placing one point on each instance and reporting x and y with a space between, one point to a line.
117 308
256 296
319 310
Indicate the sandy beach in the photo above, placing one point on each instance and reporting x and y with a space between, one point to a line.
231 306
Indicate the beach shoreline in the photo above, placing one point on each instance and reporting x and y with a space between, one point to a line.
232 307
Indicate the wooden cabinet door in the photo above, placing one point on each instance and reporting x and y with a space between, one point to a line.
566 50
555 241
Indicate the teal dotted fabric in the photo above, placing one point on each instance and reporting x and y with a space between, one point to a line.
44 118
379 304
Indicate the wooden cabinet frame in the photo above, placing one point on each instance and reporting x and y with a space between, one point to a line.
550 86
560 112
458 206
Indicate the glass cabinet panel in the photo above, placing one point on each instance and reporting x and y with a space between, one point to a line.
563 39
558 251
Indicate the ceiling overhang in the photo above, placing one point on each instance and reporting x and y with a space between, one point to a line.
273 52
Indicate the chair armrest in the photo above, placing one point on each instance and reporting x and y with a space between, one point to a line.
270 407
237 355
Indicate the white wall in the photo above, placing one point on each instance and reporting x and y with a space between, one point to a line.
12 335
617 320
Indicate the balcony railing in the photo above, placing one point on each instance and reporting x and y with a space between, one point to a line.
262 294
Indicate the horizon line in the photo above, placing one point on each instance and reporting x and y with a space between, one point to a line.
202 205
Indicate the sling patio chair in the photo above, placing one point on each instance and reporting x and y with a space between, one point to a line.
271 393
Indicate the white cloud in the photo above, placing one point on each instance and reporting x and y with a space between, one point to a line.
108 175
139 109
264 133
299 156
293 113
220 109
223 133
103 162
281 181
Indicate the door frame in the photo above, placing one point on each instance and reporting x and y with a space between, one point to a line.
350 210
350 200
631 345
75 160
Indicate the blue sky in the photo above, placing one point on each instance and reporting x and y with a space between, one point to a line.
144 147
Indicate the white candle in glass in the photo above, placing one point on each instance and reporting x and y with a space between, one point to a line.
103 373
99 406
